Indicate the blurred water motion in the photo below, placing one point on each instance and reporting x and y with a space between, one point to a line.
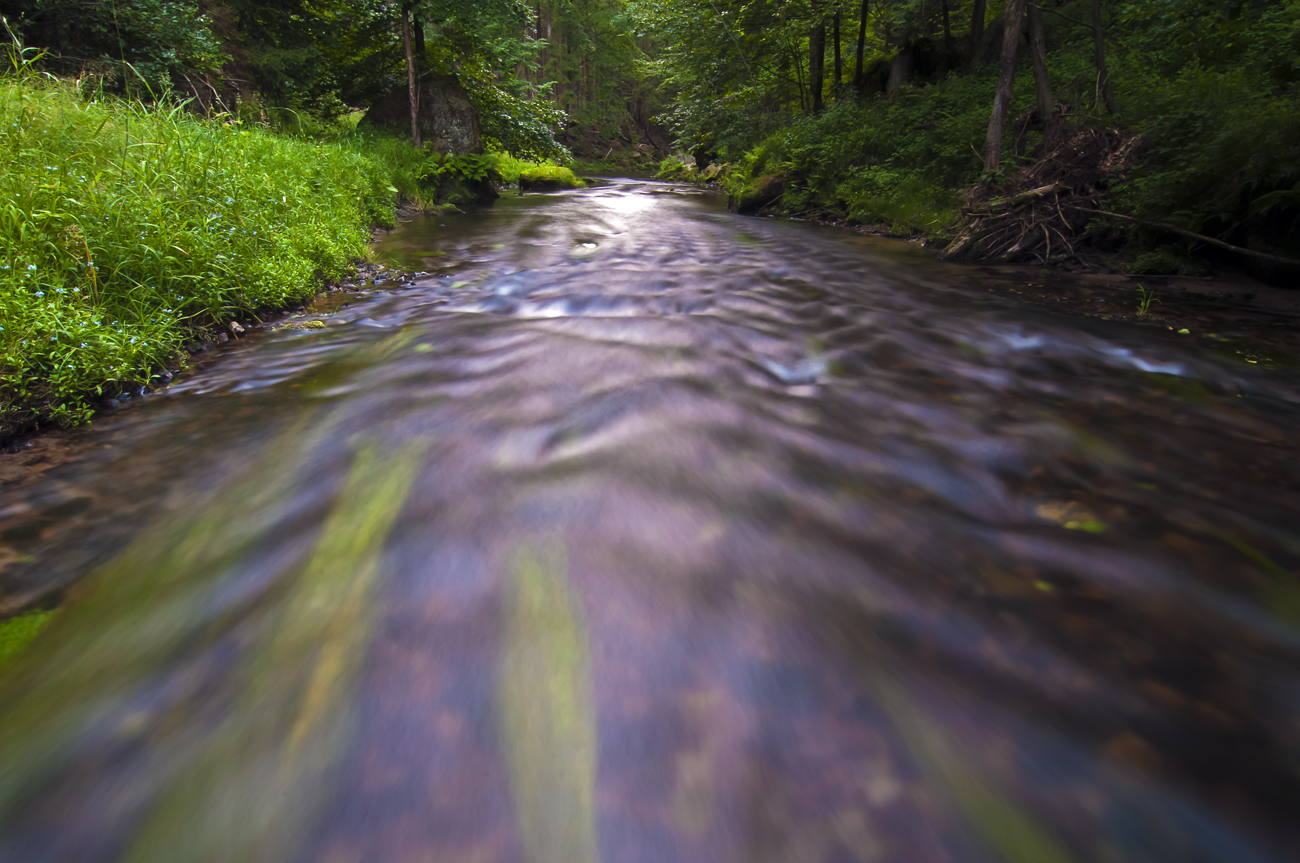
643 532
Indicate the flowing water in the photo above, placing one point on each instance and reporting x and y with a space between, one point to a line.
632 530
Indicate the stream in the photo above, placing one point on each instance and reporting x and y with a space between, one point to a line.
631 530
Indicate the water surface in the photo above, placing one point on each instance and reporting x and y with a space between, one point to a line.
633 530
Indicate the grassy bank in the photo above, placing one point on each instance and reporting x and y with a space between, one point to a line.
128 230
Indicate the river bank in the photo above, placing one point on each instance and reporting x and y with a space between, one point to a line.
1240 321
138 234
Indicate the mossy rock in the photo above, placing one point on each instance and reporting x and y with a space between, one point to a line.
676 171
447 117
548 178
758 195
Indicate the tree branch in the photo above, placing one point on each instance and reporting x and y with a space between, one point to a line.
1263 256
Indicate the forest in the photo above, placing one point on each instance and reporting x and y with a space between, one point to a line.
706 431
173 165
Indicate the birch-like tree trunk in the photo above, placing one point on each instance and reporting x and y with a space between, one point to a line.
412 81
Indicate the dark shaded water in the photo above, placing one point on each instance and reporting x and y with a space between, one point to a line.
638 531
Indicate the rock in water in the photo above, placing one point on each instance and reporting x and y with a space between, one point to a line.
447 118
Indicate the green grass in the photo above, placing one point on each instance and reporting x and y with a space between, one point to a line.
17 632
125 231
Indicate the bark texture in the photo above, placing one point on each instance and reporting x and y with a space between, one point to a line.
1042 85
817 63
1010 43
412 80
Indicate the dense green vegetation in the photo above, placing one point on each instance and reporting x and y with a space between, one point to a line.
128 230
1213 89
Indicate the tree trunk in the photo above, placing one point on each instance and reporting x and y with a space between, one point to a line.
900 71
1042 86
417 44
976 32
862 47
412 83
947 31
817 63
1099 57
1010 44
839 63
796 58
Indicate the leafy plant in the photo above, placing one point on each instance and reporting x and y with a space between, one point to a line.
1146 297
439 168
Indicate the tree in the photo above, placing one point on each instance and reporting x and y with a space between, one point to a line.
976 32
412 76
839 64
1099 57
1006 75
817 61
862 47
1038 49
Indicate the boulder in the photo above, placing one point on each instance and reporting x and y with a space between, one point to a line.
759 195
447 118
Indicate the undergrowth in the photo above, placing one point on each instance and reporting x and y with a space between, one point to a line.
128 230
1217 106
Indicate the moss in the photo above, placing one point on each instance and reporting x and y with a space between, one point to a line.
17 632
760 194
548 178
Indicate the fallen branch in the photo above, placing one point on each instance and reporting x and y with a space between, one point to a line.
1264 256
1023 197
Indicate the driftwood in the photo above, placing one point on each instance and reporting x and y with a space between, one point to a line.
1031 224
1053 201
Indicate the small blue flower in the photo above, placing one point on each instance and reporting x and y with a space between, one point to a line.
40 293
31 267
